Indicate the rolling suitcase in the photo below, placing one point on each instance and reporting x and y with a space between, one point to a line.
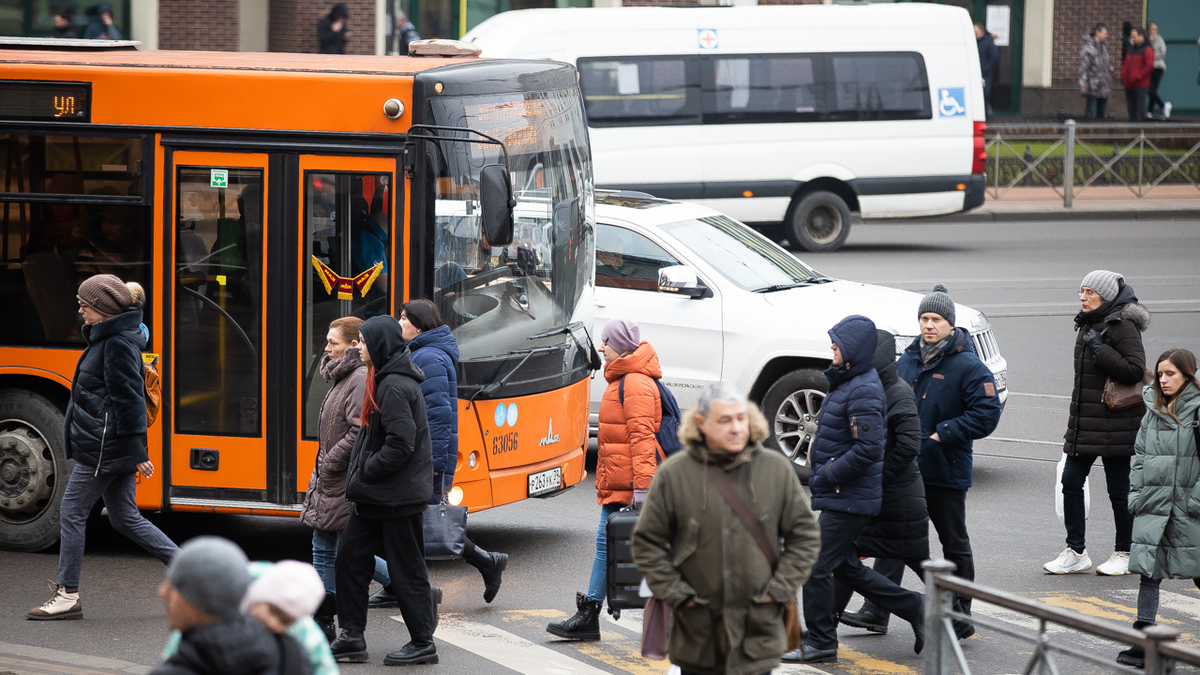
622 575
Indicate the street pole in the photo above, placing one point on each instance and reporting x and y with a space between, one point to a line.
1069 166
939 653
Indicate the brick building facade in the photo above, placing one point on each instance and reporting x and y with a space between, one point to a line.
209 25
294 25
1074 18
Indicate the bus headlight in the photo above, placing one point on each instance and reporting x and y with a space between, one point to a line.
455 496
473 460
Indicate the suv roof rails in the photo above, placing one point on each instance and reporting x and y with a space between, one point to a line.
67 44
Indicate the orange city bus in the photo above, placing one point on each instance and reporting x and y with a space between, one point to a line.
257 197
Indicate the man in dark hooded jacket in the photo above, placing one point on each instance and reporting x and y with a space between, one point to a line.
957 399
847 470
390 481
331 30
899 535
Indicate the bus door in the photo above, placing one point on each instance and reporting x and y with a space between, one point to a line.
348 268
216 365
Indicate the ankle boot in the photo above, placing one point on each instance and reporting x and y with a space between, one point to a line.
491 567
585 625
349 647
1136 655
324 617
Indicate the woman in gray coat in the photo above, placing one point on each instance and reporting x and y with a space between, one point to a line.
1095 72
1164 494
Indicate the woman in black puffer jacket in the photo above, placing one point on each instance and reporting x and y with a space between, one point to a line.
1108 345
899 536
105 433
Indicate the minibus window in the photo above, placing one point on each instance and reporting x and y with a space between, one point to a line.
640 91
775 88
880 86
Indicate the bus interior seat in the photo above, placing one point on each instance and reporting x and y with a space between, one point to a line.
46 278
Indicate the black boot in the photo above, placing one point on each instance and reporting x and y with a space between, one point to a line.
413 653
1134 656
491 566
384 598
349 647
585 625
325 615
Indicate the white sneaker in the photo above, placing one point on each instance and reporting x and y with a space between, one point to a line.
1166 113
1069 562
1117 565
61 605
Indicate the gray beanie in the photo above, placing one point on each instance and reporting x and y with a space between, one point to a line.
938 302
211 573
1106 284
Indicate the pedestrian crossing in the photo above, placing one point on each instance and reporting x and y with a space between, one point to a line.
516 639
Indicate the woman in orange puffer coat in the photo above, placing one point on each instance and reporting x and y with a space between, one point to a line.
627 458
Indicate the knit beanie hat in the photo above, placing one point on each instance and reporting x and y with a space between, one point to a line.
210 573
939 302
1106 284
622 335
106 294
290 585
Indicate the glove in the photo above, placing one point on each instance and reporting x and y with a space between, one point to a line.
1092 339
639 497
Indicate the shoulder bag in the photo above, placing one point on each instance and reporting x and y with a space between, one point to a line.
1120 396
791 618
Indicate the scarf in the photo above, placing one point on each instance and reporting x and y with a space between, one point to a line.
929 352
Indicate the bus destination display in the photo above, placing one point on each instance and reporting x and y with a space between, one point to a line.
45 101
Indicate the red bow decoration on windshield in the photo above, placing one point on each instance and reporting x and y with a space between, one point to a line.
345 286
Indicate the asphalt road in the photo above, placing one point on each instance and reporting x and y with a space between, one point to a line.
1023 275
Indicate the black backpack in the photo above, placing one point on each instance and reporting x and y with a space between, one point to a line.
668 430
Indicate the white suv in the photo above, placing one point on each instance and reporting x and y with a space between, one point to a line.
721 302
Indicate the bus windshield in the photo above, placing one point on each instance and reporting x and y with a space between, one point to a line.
496 297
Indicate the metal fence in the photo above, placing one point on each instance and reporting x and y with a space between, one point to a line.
943 653
1070 158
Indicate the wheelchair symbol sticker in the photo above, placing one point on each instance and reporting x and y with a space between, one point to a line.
952 102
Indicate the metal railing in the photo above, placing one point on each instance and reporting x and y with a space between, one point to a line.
942 651
1072 157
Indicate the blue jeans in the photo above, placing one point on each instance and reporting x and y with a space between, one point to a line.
324 545
83 491
598 586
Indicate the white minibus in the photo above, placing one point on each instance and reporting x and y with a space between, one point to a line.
797 115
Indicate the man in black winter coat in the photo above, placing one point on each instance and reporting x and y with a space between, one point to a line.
203 594
331 30
899 535
390 481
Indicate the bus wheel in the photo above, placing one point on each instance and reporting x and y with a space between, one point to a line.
791 406
33 471
820 222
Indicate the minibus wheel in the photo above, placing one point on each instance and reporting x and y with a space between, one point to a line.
33 470
791 406
819 222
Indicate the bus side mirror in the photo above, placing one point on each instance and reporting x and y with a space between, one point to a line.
497 202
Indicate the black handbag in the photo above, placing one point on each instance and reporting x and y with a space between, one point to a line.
445 531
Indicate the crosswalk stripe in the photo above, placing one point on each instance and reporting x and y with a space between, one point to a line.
857 662
506 649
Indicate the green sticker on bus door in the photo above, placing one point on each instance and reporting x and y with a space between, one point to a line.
219 178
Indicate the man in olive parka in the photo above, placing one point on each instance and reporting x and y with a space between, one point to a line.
696 555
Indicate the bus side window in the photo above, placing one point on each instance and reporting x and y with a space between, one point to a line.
50 247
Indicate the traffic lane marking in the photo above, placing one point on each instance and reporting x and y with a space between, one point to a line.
23 666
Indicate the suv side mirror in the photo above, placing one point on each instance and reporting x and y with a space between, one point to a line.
682 280
496 202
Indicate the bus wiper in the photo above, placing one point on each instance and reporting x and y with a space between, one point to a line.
594 362
495 385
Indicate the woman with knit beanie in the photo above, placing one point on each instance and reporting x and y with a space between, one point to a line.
1108 345
105 433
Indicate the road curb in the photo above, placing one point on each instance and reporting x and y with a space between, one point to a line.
1060 214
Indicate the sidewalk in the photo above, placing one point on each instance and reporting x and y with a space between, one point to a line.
1097 202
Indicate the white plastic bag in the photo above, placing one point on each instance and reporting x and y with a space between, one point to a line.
1058 495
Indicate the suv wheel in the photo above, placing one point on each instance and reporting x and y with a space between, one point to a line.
791 406
820 222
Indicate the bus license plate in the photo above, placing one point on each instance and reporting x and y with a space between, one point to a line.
545 481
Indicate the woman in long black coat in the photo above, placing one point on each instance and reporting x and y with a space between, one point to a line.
899 536
1108 345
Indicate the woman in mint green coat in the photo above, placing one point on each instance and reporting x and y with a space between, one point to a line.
1164 492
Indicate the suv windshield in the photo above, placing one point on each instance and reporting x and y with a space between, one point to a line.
495 297
740 254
